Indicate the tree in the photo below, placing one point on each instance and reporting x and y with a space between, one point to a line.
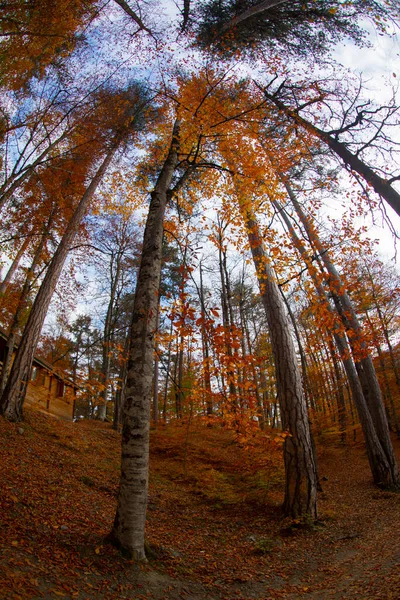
116 246
14 393
388 473
381 186
300 466
298 27
34 36
128 530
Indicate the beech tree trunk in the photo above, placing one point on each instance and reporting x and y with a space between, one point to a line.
300 468
127 533
13 396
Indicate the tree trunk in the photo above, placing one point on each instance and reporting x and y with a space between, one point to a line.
14 393
108 334
127 533
300 469
227 327
206 352
379 465
22 302
156 372
13 267
371 389
380 185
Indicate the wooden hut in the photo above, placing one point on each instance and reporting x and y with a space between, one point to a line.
48 390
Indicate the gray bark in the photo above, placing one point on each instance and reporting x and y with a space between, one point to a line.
128 530
300 468
370 386
13 396
14 266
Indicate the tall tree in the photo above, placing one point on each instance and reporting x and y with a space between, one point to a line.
367 374
124 125
129 524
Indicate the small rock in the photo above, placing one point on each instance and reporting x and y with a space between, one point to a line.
64 527
20 430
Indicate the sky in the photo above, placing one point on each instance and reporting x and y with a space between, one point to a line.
380 68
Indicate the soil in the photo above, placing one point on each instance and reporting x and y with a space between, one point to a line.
215 530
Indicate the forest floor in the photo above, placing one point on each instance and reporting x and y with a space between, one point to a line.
215 529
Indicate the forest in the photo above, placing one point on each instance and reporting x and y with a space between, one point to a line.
199 223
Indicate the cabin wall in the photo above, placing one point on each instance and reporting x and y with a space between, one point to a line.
50 394
46 391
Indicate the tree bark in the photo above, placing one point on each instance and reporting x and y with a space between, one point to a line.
14 393
380 185
127 533
300 468
13 267
370 385
205 348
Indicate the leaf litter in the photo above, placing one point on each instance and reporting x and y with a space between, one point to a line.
214 531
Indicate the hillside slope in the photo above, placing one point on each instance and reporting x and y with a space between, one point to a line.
215 530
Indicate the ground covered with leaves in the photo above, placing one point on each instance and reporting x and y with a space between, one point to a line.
215 530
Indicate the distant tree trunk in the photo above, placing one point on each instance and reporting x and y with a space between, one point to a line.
167 375
392 415
22 303
300 468
120 394
156 372
341 404
108 334
178 376
14 393
127 533
369 381
254 378
227 326
206 352
14 266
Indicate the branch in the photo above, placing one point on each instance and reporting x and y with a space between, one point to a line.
380 185
125 7
247 14
185 14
